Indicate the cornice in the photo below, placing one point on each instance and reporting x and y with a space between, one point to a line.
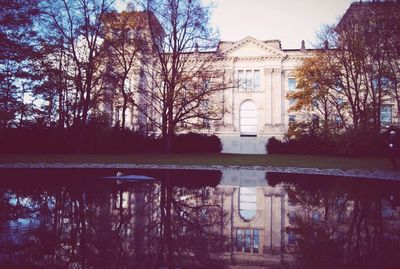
257 43
253 58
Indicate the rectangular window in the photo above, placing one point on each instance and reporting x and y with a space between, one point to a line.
249 80
386 114
339 101
241 80
247 240
256 80
239 240
256 241
338 121
291 84
292 118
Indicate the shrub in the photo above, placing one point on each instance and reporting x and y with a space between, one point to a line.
274 146
360 143
350 143
99 140
196 143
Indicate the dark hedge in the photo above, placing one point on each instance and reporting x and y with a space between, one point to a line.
99 141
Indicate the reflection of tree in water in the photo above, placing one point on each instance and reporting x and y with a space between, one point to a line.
344 223
93 223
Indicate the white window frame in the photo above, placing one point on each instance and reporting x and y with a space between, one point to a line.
247 80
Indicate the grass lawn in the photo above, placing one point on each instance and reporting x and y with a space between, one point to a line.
212 159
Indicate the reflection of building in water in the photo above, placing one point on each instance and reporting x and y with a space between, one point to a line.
258 217
254 224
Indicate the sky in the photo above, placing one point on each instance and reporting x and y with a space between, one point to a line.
290 21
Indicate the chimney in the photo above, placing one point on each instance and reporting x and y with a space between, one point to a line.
303 46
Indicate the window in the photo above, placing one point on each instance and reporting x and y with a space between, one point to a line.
241 80
247 240
206 84
291 84
256 80
248 119
338 121
315 104
256 241
381 83
292 118
338 86
386 114
249 80
247 203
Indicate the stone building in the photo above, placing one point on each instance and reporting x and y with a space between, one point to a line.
263 73
258 105
255 109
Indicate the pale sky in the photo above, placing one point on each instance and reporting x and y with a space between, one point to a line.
290 21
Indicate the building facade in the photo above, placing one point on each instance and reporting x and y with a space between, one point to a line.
255 108
258 105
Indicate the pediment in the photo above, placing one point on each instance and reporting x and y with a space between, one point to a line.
251 47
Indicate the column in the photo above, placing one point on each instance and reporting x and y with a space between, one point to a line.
277 96
268 95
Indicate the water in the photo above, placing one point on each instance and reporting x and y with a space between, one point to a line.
89 218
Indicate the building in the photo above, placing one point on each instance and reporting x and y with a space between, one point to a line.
263 73
256 108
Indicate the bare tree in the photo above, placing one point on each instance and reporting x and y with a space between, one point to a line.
79 23
182 77
125 44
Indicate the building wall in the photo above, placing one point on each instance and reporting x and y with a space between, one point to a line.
275 67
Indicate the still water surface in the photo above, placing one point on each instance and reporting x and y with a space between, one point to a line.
89 218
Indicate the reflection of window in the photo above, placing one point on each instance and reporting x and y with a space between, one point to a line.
291 238
247 202
249 80
118 111
247 240
316 215
291 84
292 217
122 200
386 114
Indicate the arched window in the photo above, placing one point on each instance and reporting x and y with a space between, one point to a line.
247 202
248 119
